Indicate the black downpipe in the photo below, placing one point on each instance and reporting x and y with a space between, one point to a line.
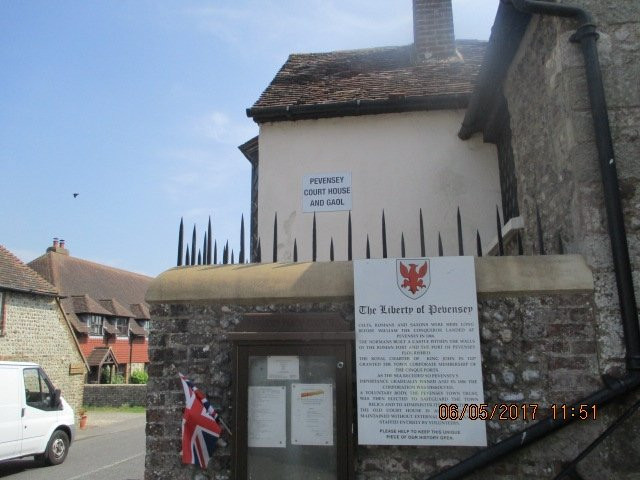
586 35
539 430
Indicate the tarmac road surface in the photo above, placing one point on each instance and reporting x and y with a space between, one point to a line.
111 448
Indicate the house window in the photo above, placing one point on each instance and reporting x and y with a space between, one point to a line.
122 326
144 324
94 322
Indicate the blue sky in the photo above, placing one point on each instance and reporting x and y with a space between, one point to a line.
139 107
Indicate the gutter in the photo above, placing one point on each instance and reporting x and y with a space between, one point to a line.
357 107
586 35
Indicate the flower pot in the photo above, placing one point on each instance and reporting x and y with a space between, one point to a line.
83 422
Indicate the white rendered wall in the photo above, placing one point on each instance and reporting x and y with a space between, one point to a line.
399 162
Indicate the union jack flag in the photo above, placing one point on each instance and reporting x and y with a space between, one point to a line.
200 427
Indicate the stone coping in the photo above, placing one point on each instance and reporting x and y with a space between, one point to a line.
255 284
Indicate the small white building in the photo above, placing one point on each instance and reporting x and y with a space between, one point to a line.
387 118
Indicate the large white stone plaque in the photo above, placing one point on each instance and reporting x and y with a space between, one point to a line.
417 347
326 192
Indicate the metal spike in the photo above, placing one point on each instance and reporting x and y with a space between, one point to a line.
423 251
384 237
499 227
215 252
241 256
225 254
478 243
539 228
402 254
520 249
331 250
258 252
349 240
460 246
232 262
187 261
199 257
210 239
295 250
180 242
313 239
193 246
204 249
368 248
275 238
440 251
560 244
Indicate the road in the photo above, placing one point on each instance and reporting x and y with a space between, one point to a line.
111 448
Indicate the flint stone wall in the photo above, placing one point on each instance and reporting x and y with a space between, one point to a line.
96 395
536 349
36 331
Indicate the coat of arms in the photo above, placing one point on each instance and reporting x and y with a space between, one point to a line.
413 276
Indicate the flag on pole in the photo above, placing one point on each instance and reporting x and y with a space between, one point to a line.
200 427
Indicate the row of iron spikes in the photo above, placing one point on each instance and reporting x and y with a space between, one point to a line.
206 257
207 247
384 240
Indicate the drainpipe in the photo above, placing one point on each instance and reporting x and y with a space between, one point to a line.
586 35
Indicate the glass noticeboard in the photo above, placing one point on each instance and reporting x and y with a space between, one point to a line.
291 422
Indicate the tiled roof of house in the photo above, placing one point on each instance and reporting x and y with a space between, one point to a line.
78 326
136 329
86 304
15 275
140 311
74 276
100 355
116 308
369 75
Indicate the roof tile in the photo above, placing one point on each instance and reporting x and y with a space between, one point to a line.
15 275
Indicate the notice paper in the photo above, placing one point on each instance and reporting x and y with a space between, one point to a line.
267 417
283 368
311 414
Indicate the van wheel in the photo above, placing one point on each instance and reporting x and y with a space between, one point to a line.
57 448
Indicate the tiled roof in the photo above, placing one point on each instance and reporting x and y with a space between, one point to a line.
74 276
15 275
86 304
78 326
375 74
116 308
136 329
100 355
140 311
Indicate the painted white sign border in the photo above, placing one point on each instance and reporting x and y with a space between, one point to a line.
415 352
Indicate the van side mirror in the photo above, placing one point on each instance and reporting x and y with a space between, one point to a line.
55 399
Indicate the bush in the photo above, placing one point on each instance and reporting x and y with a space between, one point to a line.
139 377
117 378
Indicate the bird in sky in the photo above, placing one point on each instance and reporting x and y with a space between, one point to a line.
75 195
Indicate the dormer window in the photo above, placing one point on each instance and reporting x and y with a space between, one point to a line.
94 323
122 326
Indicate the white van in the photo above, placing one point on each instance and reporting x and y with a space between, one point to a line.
34 418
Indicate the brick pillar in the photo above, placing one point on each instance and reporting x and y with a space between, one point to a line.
433 36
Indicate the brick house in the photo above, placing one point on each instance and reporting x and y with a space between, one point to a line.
106 308
33 327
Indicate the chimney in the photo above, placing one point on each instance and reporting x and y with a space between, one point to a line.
433 37
58 247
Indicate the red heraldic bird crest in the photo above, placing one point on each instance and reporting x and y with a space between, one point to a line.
200 427
413 276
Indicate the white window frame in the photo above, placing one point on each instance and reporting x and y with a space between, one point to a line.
92 322
124 322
